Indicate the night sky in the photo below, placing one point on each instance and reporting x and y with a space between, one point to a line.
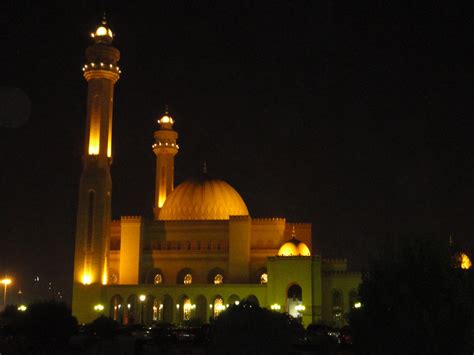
355 118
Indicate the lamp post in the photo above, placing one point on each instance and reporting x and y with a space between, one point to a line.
142 299
5 282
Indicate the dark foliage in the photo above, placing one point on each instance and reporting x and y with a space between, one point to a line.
249 329
415 301
103 326
44 327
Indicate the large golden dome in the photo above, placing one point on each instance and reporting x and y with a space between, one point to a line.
203 199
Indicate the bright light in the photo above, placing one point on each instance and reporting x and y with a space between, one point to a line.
105 276
465 262
300 307
98 307
86 279
94 136
101 31
177 306
22 308
236 303
357 305
275 307
166 119
6 281
142 298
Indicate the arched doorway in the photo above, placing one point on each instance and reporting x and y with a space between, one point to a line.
252 300
337 305
116 308
131 315
294 301
201 308
233 300
184 308
149 313
218 306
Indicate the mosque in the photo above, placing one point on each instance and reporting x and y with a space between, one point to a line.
202 252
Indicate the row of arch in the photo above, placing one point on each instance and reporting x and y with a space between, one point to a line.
147 309
185 276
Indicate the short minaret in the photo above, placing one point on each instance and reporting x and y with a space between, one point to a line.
94 208
165 148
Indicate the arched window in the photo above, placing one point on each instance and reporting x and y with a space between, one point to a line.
188 279
158 279
216 276
264 278
218 279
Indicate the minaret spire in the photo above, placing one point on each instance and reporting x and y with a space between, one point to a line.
95 189
165 149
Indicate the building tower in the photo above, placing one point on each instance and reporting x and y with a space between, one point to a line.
165 148
93 213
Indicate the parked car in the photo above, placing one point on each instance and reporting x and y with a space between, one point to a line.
345 336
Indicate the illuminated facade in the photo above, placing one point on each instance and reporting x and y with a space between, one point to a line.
202 252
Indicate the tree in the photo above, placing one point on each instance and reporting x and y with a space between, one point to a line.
414 300
249 329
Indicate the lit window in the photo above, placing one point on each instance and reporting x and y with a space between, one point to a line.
188 279
264 278
158 279
218 279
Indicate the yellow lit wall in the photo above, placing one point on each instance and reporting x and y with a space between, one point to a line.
239 248
130 250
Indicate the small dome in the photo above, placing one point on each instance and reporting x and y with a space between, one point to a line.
288 249
203 199
303 249
103 33
294 247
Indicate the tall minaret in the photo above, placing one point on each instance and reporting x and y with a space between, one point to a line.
93 213
165 148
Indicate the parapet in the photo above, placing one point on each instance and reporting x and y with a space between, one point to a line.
273 220
131 219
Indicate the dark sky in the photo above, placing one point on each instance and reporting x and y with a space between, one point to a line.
356 118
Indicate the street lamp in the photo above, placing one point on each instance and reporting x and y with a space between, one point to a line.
5 282
142 299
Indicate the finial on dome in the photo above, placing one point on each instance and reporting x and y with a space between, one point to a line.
204 167
104 20
293 232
